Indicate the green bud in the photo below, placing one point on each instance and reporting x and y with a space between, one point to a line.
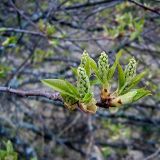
69 102
130 69
103 66
84 58
83 83
123 99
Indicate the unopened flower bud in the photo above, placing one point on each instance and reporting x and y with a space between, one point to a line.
84 58
103 65
130 69
83 83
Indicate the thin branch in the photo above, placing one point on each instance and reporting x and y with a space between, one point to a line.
144 7
25 93
85 5
153 156
40 93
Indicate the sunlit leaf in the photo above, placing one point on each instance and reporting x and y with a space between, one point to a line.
121 77
61 86
141 92
113 68
87 98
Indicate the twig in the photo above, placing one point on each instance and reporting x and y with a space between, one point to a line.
40 93
153 156
25 93
144 7
85 5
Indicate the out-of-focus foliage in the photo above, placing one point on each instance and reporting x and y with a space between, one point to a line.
8 153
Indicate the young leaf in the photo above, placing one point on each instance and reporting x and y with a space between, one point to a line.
95 82
113 68
141 92
93 65
87 67
61 86
87 98
73 89
134 81
74 71
9 147
121 77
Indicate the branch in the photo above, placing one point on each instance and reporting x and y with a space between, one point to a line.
41 93
154 155
30 93
144 7
92 4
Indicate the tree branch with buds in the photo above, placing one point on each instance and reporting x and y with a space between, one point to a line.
82 95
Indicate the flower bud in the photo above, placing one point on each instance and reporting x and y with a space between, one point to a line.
69 102
103 66
83 83
84 58
130 69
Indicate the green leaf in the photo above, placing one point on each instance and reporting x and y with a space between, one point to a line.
95 70
94 82
87 98
134 81
2 154
9 147
87 67
73 89
93 65
113 68
141 92
9 153
74 71
9 40
62 86
121 77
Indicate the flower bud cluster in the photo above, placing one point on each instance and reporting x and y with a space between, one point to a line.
103 65
84 58
130 69
83 82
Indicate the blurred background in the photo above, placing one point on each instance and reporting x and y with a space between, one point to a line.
44 39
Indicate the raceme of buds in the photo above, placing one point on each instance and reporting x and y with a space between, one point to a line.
69 102
84 58
130 69
103 66
83 83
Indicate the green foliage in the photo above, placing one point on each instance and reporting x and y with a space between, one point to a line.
40 55
62 86
9 41
107 151
46 28
3 70
126 25
82 95
8 153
